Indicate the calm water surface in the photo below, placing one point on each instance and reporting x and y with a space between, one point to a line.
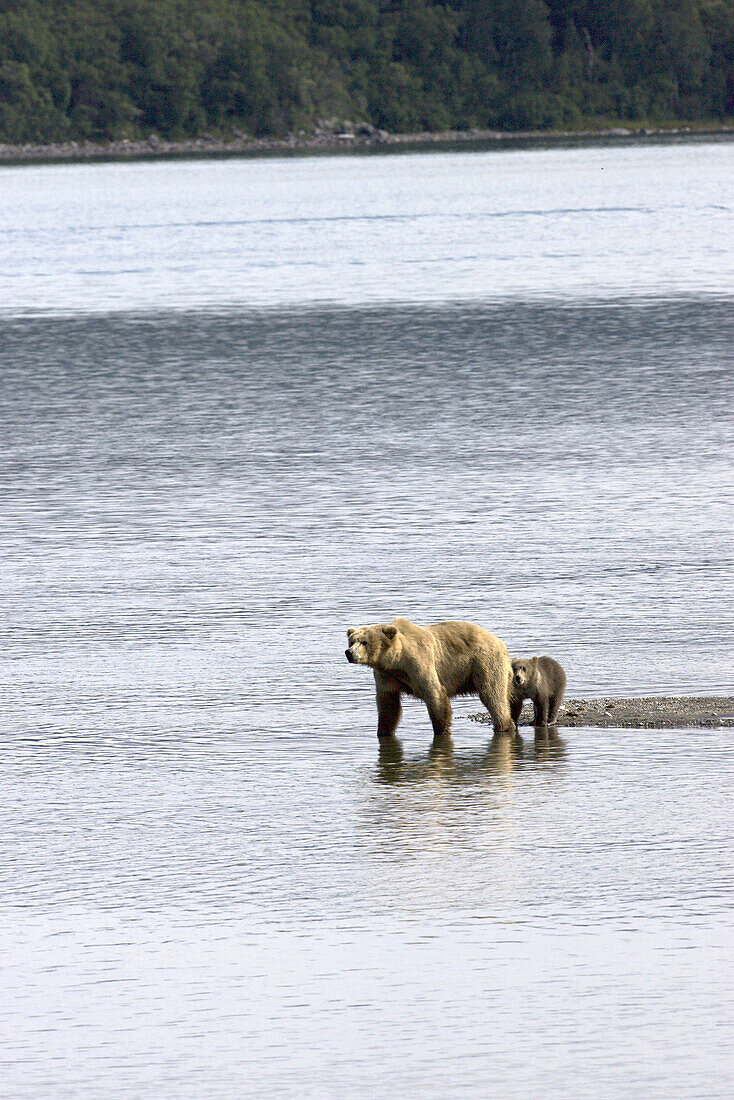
244 405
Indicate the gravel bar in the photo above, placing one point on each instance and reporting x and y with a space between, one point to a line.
645 712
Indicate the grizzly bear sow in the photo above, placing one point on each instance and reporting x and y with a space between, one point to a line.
541 679
433 663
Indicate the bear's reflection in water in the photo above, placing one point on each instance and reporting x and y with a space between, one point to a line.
441 762
421 805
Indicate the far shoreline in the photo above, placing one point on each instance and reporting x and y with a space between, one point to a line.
359 138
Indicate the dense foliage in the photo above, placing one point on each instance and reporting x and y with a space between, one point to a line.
76 69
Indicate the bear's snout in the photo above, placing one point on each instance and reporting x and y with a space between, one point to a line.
518 680
349 656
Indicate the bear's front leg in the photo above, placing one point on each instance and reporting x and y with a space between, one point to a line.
439 709
389 708
541 712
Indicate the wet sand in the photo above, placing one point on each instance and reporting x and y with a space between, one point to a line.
646 712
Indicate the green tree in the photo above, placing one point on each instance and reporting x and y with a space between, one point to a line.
112 68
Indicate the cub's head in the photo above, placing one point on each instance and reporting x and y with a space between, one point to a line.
524 670
371 645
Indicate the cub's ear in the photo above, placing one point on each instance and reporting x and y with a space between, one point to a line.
389 631
350 631
534 662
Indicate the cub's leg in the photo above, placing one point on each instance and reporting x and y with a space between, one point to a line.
554 706
541 710
515 709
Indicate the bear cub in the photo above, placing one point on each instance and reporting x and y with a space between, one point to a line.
541 679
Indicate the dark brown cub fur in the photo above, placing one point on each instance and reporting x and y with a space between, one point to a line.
541 679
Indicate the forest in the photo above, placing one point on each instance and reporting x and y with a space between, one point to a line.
75 70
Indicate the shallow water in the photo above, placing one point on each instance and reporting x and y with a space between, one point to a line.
214 881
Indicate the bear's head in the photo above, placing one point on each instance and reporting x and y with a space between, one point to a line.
524 670
371 645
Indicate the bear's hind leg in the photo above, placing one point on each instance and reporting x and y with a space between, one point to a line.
497 703
439 710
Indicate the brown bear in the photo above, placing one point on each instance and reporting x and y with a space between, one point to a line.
541 679
434 663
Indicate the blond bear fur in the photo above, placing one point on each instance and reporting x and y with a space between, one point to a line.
434 663
541 679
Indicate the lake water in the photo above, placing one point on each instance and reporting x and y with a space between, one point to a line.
246 404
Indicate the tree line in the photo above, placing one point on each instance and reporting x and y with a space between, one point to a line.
111 69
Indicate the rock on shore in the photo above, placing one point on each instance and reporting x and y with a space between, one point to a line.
646 712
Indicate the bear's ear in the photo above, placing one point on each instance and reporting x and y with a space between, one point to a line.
389 632
534 662
350 631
